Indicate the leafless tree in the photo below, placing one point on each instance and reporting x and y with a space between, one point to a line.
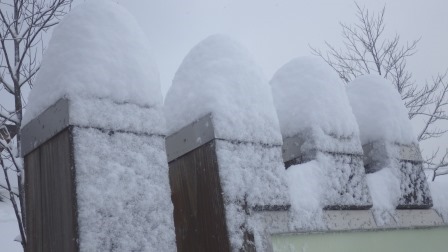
366 49
23 24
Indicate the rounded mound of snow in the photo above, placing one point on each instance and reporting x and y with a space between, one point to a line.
218 76
308 95
379 110
97 51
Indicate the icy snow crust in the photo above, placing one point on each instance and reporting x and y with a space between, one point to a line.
97 51
310 97
218 76
123 192
379 110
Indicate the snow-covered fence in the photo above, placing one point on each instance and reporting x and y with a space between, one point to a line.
98 177
226 171
317 124
388 140
93 140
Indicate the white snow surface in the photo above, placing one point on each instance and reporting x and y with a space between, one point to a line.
306 184
123 192
328 181
379 110
310 97
109 115
218 76
8 228
439 189
384 187
97 51
251 174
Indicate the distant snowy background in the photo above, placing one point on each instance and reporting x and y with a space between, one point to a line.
275 31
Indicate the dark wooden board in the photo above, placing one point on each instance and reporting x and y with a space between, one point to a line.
199 214
33 202
50 194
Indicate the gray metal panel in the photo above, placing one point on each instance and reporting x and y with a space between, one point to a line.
410 153
354 220
274 221
190 137
349 220
391 150
49 123
291 147
418 218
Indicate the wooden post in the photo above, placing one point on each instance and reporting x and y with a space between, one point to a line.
88 188
408 161
202 207
50 182
293 154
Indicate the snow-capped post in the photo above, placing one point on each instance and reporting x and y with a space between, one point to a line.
93 140
388 139
224 151
317 123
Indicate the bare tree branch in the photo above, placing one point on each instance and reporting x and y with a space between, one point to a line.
367 50
22 24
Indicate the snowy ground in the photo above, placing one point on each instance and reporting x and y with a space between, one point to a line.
439 192
8 229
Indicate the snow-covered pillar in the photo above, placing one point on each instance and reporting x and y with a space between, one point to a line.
226 171
93 140
317 123
388 139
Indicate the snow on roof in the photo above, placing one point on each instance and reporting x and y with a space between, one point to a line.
97 51
218 76
379 110
308 94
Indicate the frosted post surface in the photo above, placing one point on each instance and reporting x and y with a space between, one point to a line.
313 108
219 77
123 192
99 60
392 155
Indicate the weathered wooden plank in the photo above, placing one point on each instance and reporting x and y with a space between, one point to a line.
33 198
199 214
59 225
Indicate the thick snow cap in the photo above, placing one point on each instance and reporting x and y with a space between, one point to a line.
311 99
308 94
219 77
379 110
97 51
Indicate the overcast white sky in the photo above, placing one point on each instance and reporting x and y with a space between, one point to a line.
275 31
